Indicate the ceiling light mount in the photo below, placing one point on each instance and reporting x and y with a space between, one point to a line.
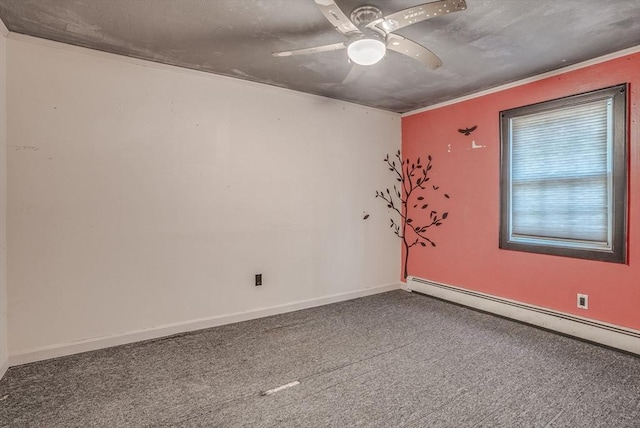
363 15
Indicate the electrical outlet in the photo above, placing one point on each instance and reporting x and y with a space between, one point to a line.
258 279
583 301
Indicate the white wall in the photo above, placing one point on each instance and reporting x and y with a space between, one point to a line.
3 203
143 195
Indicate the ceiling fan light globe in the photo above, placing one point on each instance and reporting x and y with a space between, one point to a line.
366 51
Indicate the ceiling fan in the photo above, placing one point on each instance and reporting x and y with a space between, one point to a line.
369 34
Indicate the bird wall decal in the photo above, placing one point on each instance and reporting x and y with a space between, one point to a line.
468 131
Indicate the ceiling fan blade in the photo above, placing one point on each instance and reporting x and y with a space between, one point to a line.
340 21
355 72
407 47
315 49
420 13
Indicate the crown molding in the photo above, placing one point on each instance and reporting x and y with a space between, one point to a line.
577 66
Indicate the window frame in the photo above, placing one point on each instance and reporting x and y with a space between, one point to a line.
619 155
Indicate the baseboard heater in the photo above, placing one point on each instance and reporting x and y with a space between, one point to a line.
584 328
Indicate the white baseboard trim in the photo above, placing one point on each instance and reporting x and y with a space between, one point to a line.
60 350
595 331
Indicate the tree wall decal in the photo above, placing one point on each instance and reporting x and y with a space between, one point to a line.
412 178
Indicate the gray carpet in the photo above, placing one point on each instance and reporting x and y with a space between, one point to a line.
396 359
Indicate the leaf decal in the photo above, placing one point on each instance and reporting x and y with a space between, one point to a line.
409 220
425 206
446 196
365 217
420 198
445 215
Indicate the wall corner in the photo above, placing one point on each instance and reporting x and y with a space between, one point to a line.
4 354
4 31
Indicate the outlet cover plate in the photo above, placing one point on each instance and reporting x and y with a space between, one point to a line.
583 301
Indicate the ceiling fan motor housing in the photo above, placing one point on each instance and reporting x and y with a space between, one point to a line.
363 15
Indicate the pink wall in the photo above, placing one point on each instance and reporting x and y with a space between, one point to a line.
467 254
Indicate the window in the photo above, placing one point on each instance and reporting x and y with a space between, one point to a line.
564 176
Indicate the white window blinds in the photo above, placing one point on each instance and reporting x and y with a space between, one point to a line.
561 174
